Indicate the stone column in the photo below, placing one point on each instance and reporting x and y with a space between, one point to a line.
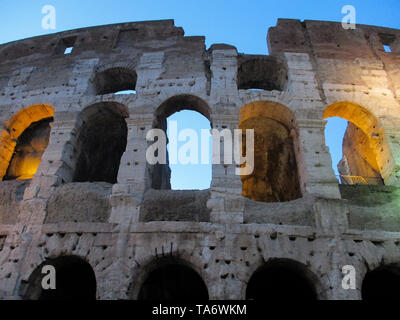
133 179
56 165
314 161
126 197
226 201
392 175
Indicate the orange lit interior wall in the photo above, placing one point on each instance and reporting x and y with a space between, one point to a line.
369 142
360 157
275 176
12 131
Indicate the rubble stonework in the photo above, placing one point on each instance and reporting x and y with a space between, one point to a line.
107 206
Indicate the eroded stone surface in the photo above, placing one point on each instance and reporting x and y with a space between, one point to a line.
79 202
125 230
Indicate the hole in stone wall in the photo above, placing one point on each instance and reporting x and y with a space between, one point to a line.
173 282
281 280
75 280
65 45
126 92
262 73
101 142
387 48
382 283
115 80
360 163
68 50
387 41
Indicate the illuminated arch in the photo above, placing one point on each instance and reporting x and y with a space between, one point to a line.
365 140
14 129
275 176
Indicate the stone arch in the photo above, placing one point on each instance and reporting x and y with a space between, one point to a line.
381 283
173 279
284 98
275 177
261 72
101 141
367 155
75 280
283 279
178 103
114 79
160 173
23 140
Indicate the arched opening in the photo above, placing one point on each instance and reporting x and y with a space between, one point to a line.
275 174
115 80
23 142
262 73
101 141
75 280
185 167
382 283
365 154
173 281
283 280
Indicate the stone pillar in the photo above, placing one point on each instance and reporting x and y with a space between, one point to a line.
133 178
126 197
314 161
226 201
224 71
392 175
331 222
58 160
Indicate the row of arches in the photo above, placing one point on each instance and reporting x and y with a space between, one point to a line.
102 139
172 279
253 73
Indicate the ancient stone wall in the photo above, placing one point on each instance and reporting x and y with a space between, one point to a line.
116 222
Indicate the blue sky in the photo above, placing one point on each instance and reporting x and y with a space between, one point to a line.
243 24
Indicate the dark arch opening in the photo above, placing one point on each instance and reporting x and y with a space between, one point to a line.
382 283
114 80
173 282
281 280
101 142
75 280
261 72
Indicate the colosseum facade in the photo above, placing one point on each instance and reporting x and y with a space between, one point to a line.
77 193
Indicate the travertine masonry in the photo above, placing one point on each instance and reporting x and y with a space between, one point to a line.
128 225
